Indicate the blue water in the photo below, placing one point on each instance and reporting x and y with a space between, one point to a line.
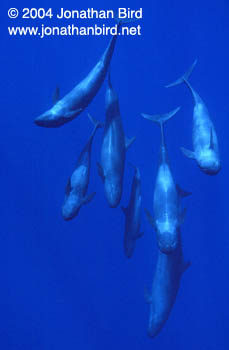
68 285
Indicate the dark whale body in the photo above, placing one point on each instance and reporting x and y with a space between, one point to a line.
133 216
71 105
113 151
204 137
76 189
167 210
166 283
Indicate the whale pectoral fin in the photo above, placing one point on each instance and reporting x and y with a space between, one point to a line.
147 296
100 171
72 114
125 211
87 199
56 95
187 153
182 193
150 218
128 142
186 265
182 216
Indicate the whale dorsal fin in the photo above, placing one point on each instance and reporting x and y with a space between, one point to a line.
56 95
187 153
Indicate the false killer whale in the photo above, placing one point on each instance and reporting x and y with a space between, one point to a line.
72 104
113 151
166 283
167 212
205 142
133 215
76 189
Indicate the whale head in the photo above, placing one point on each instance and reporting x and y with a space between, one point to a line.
167 237
57 116
209 162
156 322
49 119
71 207
113 191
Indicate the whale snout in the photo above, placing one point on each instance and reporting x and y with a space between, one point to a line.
46 120
153 333
167 249
113 193
155 325
51 119
167 242
211 170
39 122
70 209
43 120
113 202
210 163
68 215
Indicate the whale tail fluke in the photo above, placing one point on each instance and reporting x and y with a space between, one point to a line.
127 20
161 118
122 21
129 142
97 124
184 78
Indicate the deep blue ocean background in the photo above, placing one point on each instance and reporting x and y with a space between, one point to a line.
68 285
